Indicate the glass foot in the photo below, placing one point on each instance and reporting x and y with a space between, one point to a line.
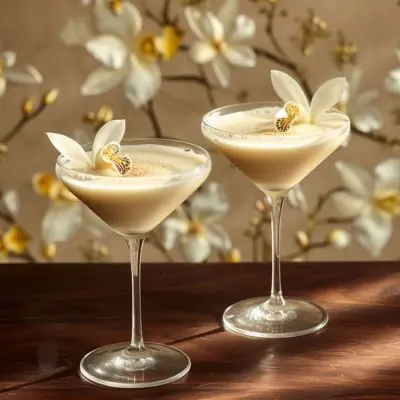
257 318
117 366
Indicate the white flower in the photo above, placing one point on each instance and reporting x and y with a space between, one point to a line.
339 238
9 72
372 201
297 199
112 131
197 230
12 202
222 39
315 112
359 105
125 57
392 81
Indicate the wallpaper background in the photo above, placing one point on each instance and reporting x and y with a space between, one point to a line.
31 28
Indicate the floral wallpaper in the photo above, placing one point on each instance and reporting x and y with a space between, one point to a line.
161 65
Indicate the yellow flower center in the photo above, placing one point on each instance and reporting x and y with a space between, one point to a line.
147 47
388 203
217 45
115 6
15 240
195 228
168 43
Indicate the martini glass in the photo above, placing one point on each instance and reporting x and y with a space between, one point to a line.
166 173
275 164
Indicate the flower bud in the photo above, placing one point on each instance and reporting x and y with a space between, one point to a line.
50 97
338 238
27 106
302 240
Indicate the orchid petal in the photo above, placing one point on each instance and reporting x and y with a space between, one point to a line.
367 120
373 232
355 179
392 81
244 29
288 89
3 85
387 175
12 201
112 131
227 15
126 25
194 18
213 27
218 237
28 75
354 80
70 149
221 70
196 248
172 229
348 205
109 50
61 222
8 58
240 55
327 96
76 32
143 82
202 52
297 199
102 80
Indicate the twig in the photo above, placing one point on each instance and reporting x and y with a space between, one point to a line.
288 64
208 86
322 201
269 29
378 138
150 112
166 20
307 250
22 122
334 221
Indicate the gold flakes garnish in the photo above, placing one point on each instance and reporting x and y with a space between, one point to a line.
289 112
121 164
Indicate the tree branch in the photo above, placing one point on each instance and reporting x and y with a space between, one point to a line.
150 112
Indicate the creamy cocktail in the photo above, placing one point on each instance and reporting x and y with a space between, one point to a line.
136 203
132 185
276 145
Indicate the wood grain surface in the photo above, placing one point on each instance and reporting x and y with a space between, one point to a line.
69 309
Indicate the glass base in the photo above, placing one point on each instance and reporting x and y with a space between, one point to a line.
258 318
118 366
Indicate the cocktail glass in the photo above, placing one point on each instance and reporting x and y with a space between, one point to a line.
132 206
275 164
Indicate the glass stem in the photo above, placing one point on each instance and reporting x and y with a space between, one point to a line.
276 201
135 246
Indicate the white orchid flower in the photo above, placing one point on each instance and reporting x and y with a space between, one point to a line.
297 199
222 39
12 202
27 74
392 81
199 233
126 58
316 111
112 131
372 201
359 105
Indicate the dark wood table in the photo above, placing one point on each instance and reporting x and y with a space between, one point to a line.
70 309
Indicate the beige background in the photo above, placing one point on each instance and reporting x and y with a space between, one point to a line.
31 28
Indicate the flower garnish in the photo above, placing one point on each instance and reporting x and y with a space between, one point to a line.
297 108
105 149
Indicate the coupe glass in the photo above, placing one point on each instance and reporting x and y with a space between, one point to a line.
136 364
273 316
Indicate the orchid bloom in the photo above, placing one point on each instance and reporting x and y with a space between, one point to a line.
200 233
316 111
221 39
359 104
27 74
126 56
373 202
